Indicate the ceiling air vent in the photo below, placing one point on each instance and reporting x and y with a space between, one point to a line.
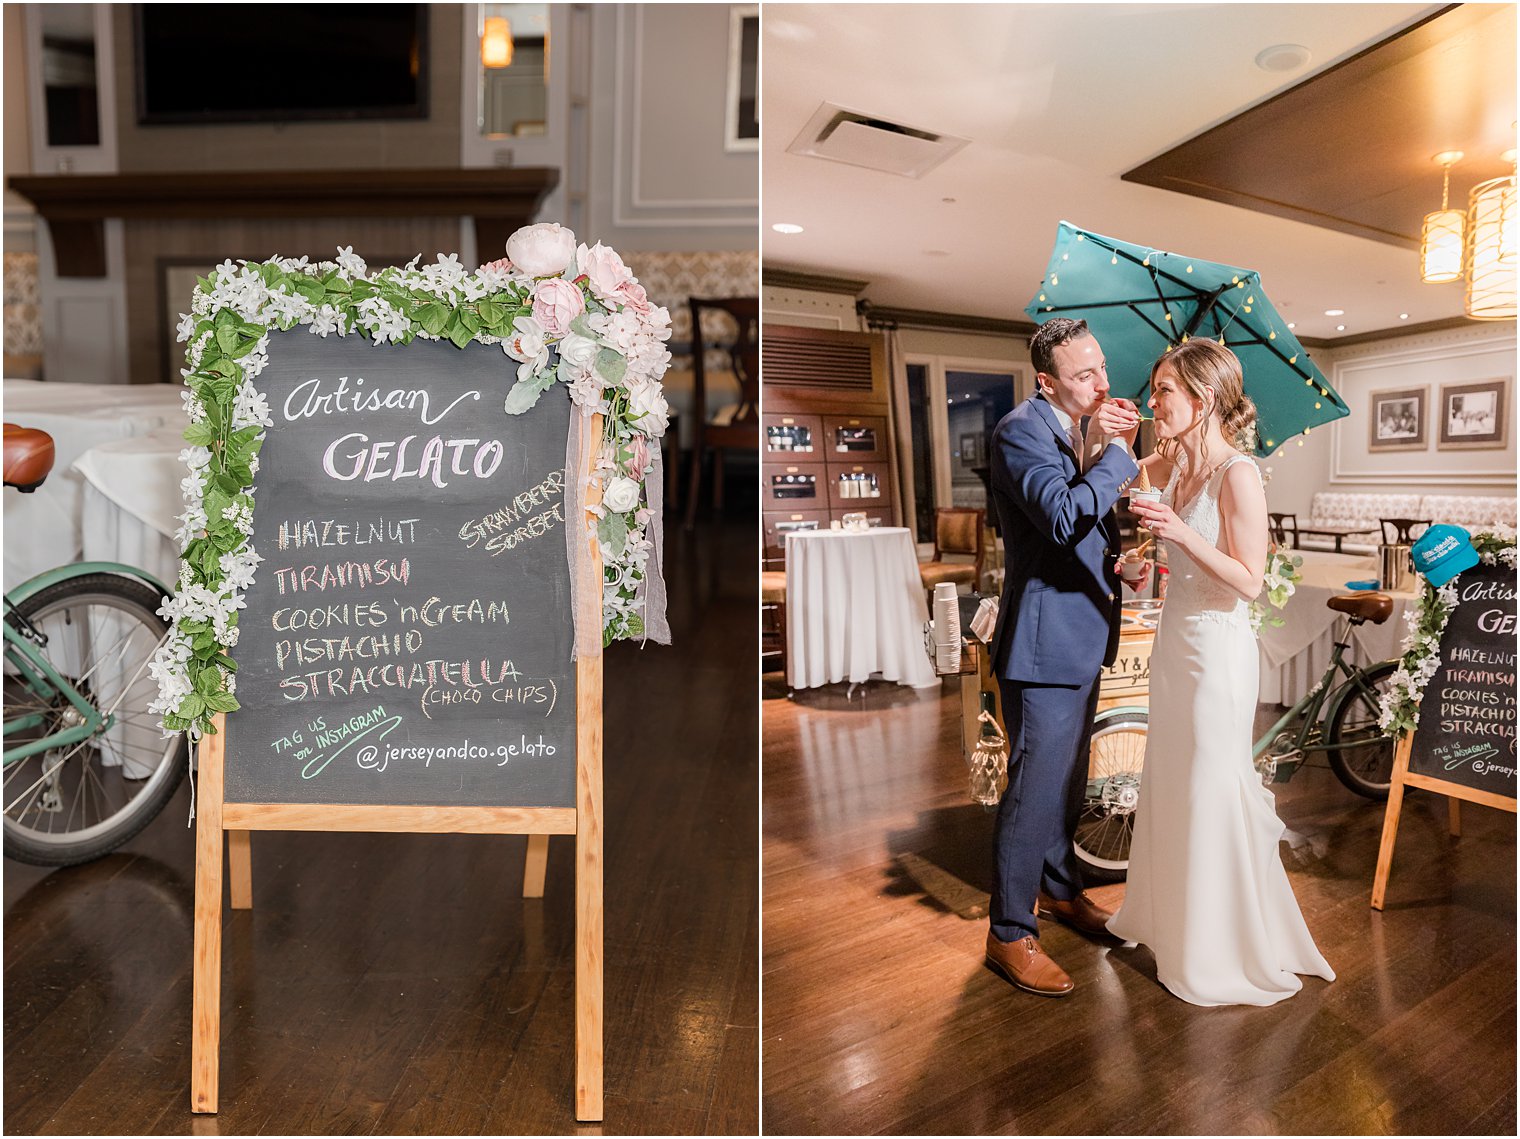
877 144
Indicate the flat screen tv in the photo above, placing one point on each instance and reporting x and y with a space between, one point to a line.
241 63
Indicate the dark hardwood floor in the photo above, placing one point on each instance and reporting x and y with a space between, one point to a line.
393 984
880 1016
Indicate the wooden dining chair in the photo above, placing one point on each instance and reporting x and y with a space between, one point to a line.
1281 526
1400 531
958 530
741 430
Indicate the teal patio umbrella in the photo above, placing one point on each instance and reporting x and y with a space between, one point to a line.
1139 302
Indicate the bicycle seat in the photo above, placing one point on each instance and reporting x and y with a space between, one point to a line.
1374 607
28 457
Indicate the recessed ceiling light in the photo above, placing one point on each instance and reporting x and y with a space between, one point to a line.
1282 57
1292 324
786 227
948 200
1403 316
1340 328
1335 312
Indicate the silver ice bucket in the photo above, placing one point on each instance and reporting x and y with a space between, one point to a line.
1395 567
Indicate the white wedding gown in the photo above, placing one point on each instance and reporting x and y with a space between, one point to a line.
1207 890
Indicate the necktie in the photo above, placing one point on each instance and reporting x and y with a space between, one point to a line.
1078 444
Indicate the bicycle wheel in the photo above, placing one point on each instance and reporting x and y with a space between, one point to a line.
75 802
1107 822
1367 765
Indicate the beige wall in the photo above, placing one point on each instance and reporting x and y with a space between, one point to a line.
660 177
432 142
1337 458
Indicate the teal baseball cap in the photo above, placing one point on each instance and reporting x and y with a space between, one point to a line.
1442 552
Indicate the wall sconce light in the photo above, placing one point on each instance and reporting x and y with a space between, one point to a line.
496 42
1443 232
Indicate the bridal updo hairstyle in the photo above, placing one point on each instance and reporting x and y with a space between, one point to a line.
1207 368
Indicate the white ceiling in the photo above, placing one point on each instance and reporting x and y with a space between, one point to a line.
1059 100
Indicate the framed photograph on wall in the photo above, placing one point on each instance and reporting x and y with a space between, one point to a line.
1474 417
972 450
742 111
1396 420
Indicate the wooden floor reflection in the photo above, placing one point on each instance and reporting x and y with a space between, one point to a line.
400 984
881 1018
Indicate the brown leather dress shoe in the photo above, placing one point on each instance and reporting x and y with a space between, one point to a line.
1025 964
1080 913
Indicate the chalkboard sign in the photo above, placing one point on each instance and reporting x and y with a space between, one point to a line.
408 637
1467 717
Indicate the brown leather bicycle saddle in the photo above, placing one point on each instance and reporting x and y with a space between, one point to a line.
28 457
1374 607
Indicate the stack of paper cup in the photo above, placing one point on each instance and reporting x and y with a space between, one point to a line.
947 629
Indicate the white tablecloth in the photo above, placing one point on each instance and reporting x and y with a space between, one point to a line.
47 528
132 499
1295 655
855 606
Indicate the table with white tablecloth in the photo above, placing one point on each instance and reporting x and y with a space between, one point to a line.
854 607
132 500
47 527
1294 656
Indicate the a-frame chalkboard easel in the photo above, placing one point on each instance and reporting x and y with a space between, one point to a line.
215 817
1467 717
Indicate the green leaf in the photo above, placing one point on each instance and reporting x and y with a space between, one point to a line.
200 434
433 317
222 702
461 335
490 311
192 706
525 393
243 348
612 529
311 290
611 365
226 662
469 320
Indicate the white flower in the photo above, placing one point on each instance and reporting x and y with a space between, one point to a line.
528 345
578 351
186 327
542 250
647 406
621 495
351 263
250 408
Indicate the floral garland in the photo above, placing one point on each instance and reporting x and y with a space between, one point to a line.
562 311
1279 581
1400 710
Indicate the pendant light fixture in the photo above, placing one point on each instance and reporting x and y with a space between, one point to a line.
1491 256
1443 232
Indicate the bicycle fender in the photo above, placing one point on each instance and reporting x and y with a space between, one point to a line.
80 569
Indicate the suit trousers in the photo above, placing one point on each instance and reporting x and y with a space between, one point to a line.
1049 731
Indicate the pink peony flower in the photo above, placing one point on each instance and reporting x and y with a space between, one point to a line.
501 265
638 462
632 294
556 302
604 269
541 250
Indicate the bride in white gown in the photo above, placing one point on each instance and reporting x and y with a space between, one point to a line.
1207 891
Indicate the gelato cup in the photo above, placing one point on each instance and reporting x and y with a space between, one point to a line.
1152 496
1132 570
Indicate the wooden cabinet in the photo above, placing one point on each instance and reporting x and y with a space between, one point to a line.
828 448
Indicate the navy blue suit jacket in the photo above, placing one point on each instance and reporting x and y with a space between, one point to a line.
1058 620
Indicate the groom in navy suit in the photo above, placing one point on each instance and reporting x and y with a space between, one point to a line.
1061 460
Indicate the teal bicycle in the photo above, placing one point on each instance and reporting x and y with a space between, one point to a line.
86 767
1338 718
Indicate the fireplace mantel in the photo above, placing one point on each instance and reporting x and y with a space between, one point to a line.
76 206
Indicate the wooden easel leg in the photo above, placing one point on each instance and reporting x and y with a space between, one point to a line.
1391 821
588 893
206 967
1454 816
240 868
536 866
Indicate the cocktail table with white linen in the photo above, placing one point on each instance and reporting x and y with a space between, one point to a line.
855 606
